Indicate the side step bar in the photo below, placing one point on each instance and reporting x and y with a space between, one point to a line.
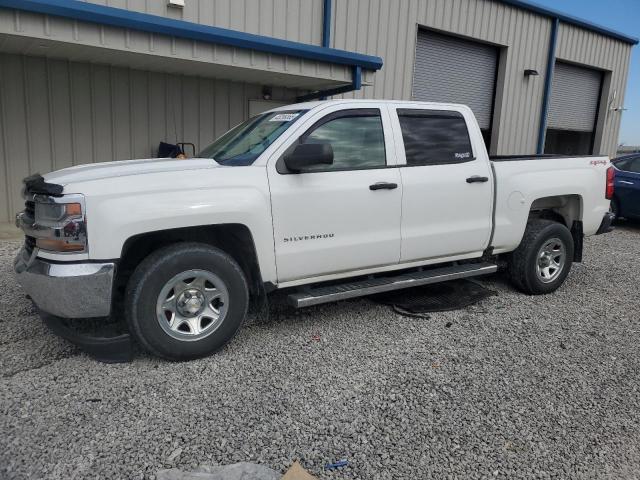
331 293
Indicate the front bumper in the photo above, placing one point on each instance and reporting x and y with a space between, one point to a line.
68 290
605 225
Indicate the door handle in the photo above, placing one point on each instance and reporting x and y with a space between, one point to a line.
477 179
383 186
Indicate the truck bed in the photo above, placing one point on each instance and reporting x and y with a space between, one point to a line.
545 156
571 184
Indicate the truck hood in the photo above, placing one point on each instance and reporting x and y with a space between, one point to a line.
122 168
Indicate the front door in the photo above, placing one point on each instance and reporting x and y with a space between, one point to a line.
447 196
329 219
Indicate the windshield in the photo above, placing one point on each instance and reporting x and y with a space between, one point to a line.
243 144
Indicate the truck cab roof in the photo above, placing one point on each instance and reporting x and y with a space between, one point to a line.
355 102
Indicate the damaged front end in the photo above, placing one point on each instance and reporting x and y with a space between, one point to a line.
64 283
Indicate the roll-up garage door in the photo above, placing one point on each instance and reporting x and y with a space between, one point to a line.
575 92
449 69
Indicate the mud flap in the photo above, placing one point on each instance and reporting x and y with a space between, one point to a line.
578 241
107 349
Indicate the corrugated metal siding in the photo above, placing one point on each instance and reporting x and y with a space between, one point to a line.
575 93
448 69
297 20
55 37
54 114
591 49
388 28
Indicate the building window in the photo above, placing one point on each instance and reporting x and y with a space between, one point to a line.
566 142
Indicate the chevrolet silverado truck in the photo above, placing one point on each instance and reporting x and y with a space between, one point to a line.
329 200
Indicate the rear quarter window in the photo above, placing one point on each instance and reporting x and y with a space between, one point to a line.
629 164
434 137
634 165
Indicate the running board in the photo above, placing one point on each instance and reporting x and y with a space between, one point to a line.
331 293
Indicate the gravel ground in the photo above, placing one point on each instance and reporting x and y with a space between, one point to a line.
514 387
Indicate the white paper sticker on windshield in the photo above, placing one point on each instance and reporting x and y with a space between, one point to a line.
284 117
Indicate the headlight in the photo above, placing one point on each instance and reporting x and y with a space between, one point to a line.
57 214
60 224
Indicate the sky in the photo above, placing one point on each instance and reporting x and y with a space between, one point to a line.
624 17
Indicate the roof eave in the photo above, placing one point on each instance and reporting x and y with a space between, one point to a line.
117 17
563 17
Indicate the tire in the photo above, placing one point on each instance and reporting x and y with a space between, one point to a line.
535 267
614 207
186 301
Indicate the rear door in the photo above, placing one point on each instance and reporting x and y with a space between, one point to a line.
343 217
447 184
628 186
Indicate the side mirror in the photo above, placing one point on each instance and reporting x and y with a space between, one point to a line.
307 155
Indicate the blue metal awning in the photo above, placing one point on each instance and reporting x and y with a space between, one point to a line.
117 17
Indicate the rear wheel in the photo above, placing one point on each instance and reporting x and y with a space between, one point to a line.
543 259
186 301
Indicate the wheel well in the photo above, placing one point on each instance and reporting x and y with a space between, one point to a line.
234 239
564 209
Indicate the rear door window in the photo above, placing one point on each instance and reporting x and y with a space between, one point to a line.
434 137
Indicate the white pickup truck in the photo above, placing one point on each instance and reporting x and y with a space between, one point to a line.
329 200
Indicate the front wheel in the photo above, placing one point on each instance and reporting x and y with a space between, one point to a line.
186 301
543 259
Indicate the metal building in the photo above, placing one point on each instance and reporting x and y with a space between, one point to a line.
99 80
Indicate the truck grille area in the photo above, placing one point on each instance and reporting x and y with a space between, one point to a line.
29 215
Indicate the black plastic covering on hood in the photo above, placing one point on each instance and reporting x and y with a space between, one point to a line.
35 184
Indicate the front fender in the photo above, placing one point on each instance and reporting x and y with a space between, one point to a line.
116 213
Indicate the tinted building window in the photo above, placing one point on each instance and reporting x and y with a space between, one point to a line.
433 137
565 142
